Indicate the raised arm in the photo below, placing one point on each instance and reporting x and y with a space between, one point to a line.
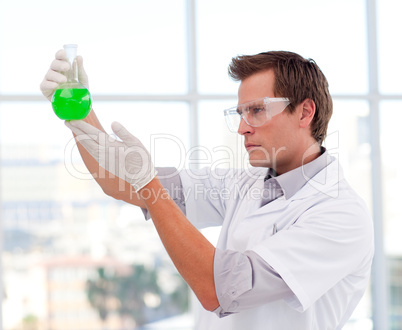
110 184
190 251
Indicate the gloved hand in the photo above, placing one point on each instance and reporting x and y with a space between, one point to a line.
55 75
128 159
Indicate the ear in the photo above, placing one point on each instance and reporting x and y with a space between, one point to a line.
307 112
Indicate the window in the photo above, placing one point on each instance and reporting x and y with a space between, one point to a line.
160 68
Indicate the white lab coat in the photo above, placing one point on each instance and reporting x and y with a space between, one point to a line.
323 247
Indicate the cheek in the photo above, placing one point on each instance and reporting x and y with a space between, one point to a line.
273 139
286 132
278 133
278 145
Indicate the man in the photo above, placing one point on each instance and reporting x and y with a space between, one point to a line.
296 243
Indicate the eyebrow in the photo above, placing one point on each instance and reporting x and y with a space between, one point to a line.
252 103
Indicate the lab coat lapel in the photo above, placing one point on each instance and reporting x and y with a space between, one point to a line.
324 182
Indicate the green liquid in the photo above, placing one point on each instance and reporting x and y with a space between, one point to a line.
71 103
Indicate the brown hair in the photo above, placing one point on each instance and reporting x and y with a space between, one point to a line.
296 78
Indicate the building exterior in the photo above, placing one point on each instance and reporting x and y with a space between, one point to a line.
60 284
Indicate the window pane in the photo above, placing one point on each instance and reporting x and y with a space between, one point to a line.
222 148
333 33
128 46
26 123
389 25
348 138
161 126
390 118
64 238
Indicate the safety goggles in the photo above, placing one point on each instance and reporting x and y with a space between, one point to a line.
255 113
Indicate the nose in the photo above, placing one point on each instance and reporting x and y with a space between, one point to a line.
245 128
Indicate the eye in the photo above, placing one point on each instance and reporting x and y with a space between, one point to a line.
256 111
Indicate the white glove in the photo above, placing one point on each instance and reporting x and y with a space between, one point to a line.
55 75
128 159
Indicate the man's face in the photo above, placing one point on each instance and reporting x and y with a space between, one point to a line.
275 143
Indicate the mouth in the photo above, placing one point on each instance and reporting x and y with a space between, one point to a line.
250 146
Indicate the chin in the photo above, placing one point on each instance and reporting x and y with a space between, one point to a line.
259 159
259 163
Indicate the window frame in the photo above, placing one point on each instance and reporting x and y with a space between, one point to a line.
380 282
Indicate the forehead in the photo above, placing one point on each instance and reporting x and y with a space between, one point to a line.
257 86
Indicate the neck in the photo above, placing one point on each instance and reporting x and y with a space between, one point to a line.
297 159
